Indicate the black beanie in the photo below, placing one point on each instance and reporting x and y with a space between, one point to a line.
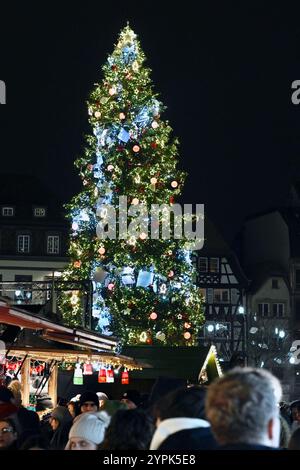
89 396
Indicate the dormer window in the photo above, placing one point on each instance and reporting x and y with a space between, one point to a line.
39 212
8 211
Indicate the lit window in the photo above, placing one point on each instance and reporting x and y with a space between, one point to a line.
23 243
53 244
39 212
7 211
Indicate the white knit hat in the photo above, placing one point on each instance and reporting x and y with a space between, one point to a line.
90 426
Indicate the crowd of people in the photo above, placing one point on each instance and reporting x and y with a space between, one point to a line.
239 411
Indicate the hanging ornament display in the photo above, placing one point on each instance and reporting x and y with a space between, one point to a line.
111 286
99 275
110 378
135 201
187 335
122 116
102 376
135 66
163 288
153 316
174 184
78 376
110 167
101 250
154 125
143 236
75 226
171 273
97 114
136 148
125 377
160 336
112 91
153 181
87 369
187 325
143 337
77 264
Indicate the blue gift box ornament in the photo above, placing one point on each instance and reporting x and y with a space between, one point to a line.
123 135
145 279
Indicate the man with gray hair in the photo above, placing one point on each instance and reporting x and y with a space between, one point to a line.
242 407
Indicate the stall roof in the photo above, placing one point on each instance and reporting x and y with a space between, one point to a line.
44 339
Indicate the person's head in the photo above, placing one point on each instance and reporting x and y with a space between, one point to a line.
132 398
87 431
294 443
15 387
285 433
295 410
242 406
73 408
102 398
89 401
163 386
36 442
59 417
8 433
181 403
112 406
129 430
6 395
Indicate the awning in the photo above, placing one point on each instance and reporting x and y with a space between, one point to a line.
55 332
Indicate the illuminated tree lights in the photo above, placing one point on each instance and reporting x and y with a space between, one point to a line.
143 287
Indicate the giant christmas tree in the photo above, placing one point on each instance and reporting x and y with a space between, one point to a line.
143 284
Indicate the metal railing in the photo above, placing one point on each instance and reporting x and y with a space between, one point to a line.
46 295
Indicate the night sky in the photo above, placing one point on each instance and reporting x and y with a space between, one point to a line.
224 71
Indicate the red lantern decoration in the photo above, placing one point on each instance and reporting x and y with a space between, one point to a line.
102 376
110 376
125 377
87 369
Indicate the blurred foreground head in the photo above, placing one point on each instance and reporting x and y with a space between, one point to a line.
243 407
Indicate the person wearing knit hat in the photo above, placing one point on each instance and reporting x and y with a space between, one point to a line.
88 401
88 431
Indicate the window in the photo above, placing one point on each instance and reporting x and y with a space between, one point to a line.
214 265
278 310
275 284
7 211
23 292
203 293
39 212
297 278
53 244
23 243
264 309
203 265
221 295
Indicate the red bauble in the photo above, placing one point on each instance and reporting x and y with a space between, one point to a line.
172 199
153 145
149 341
114 67
90 167
120 148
